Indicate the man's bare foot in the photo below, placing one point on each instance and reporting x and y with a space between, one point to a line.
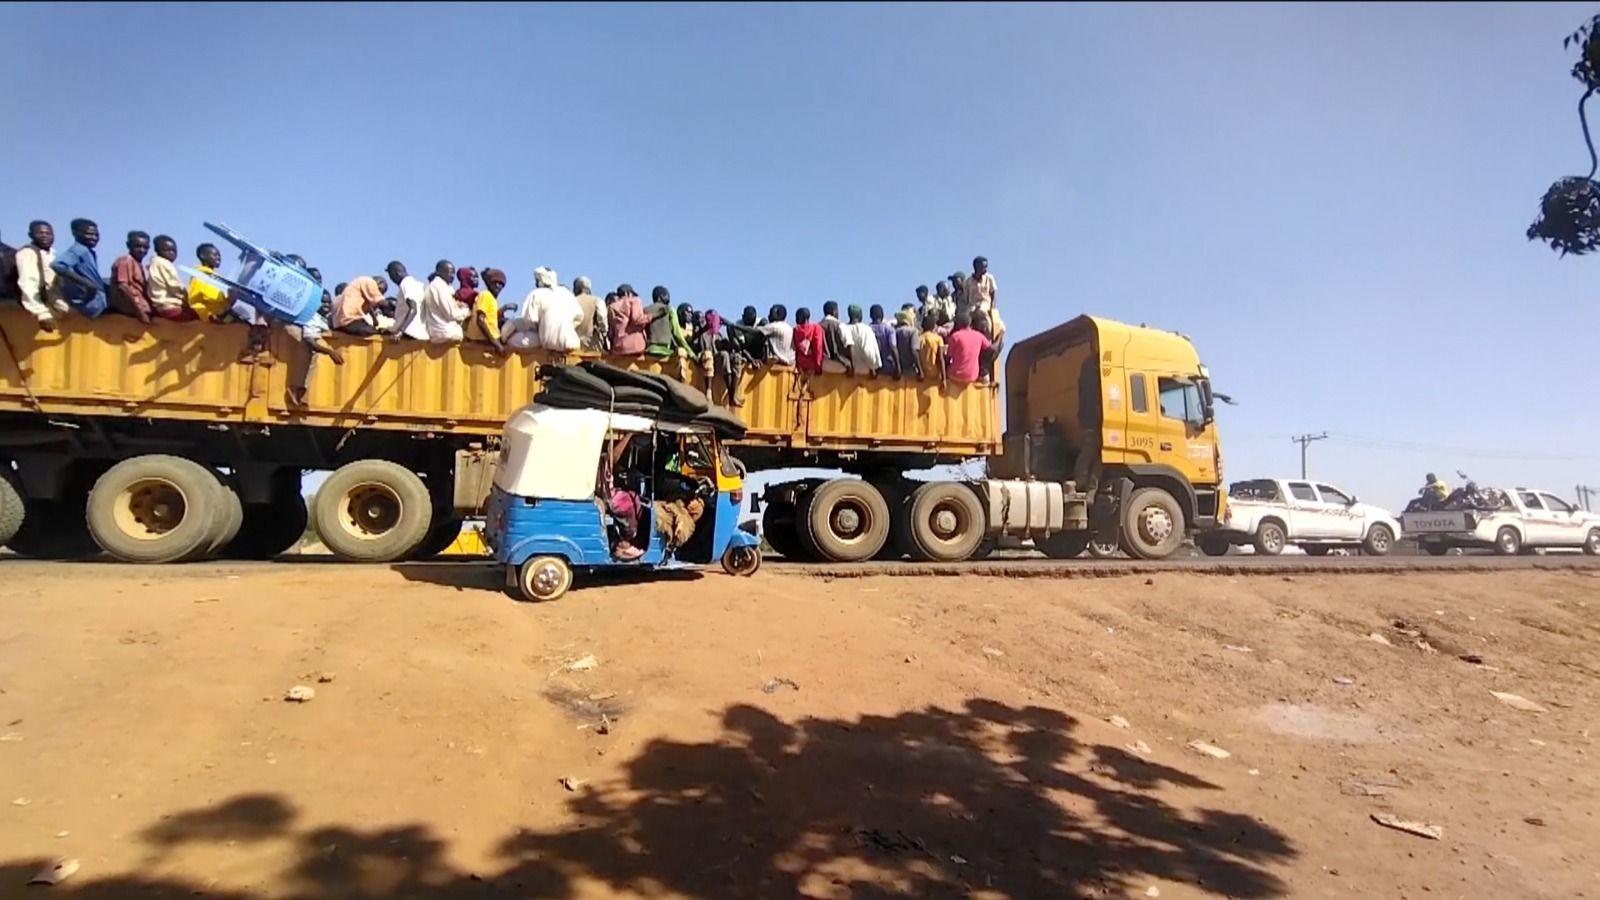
48 326
297 396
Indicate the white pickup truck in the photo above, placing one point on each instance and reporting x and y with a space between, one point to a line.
1272 513
1523 521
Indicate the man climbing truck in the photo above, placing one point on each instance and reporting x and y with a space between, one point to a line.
156 443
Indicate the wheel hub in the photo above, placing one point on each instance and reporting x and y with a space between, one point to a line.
150 509
945 522
371 510
546 578
847 521
1155 525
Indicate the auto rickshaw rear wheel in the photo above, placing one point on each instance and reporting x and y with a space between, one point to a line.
743 561
544 578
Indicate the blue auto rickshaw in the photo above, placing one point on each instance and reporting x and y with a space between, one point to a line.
552 511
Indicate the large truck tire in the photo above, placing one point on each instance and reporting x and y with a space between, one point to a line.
13 508
945 522
779 529
270 528
1064 544
372 510
155 509
441 535
844 520
1152 524
54 529
231 521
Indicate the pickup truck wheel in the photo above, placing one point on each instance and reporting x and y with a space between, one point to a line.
1591 544
1103 549
372 510
12 506
844 520
1213 545
1380 540
156 508
1064 544
946 522
1270 539
1316 549
1152 524
1507 542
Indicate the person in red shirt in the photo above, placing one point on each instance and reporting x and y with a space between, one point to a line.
809 343
130 293
964 348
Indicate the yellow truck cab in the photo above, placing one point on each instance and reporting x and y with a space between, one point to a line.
1123 415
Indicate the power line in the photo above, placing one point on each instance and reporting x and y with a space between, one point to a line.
1415 446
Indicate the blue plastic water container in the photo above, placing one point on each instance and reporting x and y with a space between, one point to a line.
277 288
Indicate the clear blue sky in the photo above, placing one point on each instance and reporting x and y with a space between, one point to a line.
1329 199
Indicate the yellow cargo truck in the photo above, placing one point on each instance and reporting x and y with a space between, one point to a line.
171 442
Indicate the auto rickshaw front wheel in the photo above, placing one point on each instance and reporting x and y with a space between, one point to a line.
544 578
741 560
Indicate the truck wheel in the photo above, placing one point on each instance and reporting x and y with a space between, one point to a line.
1064 544
1269 539
1435 548
1152 524
544 578
779 529
1591 544
54 529
945 522
372 510
156 509
1213 545
12 506
440 536
1380 540
269 529
231 522
844 520
1507 542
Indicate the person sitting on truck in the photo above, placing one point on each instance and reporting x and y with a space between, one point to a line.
981 323
548 317
440 313
905 343
965 349
356 304
981 290
483 321
865 358
407 303
941 304
780 336
592 332
628 326
36 279
1086 464
835 346
958 293
167 295
80 281
129 293
930 352
1434 491
666 337
808 343
208 302
883 332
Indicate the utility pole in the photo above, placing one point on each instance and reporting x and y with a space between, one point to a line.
1304 441
1585 494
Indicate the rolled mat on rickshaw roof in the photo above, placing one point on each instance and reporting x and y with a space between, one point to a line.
675 393
636 393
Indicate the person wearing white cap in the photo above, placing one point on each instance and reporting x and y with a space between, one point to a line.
548 318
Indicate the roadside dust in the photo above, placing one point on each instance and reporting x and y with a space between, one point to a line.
149 734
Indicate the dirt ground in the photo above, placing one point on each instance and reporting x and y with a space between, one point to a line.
791 735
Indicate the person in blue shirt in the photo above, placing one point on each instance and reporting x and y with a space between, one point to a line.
82 285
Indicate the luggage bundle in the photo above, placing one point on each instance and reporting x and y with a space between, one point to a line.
596 385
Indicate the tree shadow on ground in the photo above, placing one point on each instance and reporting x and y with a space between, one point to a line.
934 802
